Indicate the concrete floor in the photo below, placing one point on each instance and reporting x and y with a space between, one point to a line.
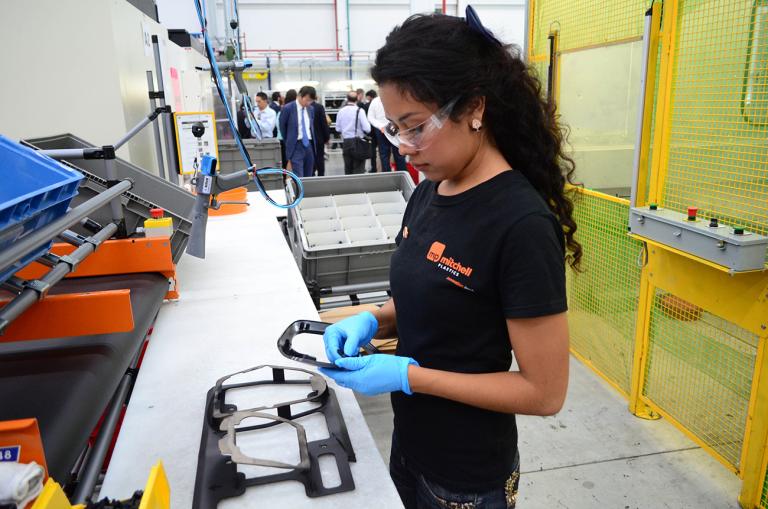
594 453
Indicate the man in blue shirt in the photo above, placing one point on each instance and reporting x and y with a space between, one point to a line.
352 123
296 119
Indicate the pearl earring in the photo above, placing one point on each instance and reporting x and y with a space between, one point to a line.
476 124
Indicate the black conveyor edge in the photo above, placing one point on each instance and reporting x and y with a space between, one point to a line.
66 383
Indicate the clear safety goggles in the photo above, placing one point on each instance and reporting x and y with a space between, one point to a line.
420 136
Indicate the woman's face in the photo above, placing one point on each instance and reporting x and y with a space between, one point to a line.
446 151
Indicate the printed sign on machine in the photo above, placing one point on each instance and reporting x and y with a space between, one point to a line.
190 145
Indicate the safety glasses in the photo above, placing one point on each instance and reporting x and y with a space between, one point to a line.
421 136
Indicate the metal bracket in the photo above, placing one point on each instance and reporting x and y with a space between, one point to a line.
41 287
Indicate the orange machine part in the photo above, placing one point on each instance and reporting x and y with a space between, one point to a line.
124 256
239 194
73 314
22 439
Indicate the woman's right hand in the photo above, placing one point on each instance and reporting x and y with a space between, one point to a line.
349 335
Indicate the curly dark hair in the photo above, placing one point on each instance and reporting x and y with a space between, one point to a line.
435 58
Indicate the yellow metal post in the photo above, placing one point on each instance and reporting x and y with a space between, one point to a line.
531 26
636 405
754 454
664 112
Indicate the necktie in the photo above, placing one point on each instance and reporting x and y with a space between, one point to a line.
305 137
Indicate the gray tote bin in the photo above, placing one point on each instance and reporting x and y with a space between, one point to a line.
343 232
149 191
263 153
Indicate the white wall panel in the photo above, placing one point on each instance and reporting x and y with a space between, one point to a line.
92 78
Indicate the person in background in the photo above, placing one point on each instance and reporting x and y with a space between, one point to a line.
323 131
370 96
275 105
242 127
296 126
478 274
379 121
352 123
265 116
276 101
361 101
290 96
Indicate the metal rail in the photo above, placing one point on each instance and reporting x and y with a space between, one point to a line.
30 294
378 286
98 452
43 235
641 109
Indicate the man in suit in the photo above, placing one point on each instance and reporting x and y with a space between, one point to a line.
323 131
296 126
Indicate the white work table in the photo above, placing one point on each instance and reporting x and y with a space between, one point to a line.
233 307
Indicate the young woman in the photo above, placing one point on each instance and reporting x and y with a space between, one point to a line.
479 272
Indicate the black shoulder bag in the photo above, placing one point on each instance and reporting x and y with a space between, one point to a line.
361 148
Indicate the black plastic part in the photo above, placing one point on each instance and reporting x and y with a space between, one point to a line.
93 153
217 476
221 409
314 289
91 225
198 129
284 344
156 95
122 230
109 152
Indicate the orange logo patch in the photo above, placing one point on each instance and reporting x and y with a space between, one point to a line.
436 251
435 254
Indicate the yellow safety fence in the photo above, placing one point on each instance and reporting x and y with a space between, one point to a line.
678 336
603 298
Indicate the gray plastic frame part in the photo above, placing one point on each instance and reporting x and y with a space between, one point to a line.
228 444
315 381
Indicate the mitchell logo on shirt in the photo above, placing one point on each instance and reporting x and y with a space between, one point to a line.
448 264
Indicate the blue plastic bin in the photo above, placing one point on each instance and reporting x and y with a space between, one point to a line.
34 191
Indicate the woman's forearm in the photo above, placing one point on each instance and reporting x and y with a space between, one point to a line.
507 392
385 315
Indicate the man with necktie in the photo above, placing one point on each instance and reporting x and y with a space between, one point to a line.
296 126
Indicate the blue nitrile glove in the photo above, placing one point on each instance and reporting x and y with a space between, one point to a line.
350 334
372 374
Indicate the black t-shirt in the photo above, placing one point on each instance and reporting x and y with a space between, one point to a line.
464 264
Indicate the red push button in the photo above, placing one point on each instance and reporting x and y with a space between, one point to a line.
156 213
692 211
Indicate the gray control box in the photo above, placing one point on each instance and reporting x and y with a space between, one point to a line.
736 249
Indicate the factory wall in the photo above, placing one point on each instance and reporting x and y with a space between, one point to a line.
316 25
92 81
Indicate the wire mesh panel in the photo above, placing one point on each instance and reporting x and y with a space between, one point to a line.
764 496
586 22
541 71
699 371
603 299
718 133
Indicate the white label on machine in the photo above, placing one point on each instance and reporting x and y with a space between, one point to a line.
190 148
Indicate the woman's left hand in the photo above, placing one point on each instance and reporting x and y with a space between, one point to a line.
372 374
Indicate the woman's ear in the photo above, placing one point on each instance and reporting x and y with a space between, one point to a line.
475 111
